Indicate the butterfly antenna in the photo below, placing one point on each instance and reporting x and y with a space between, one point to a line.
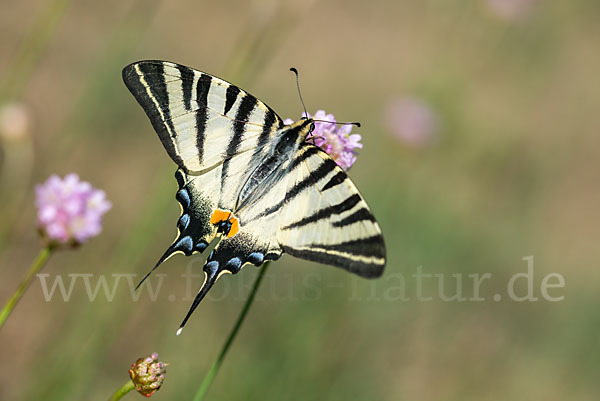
337 123
295 71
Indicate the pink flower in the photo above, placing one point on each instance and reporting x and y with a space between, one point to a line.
334 139
412 121
511 9
70 210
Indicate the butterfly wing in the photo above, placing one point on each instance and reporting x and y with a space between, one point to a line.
256 241
309 209
200 119
325 219
203 122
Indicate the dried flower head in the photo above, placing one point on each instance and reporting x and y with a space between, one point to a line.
412 121
69 210
334 139
148 374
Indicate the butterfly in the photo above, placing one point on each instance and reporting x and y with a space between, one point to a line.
249 179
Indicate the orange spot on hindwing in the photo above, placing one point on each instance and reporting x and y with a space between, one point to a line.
227 224
219 216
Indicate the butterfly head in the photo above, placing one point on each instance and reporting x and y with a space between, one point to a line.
294 135
303 127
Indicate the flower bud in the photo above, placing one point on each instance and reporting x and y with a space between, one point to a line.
148 374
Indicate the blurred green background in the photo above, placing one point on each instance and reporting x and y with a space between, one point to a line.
508 169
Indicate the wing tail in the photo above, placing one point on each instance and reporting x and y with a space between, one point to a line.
194 230
212 271
229 256
168 253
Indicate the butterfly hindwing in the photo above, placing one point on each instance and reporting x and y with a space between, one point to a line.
256 242
194 231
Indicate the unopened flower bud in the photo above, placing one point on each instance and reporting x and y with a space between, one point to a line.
148 374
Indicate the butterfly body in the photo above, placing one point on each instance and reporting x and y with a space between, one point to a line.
250 180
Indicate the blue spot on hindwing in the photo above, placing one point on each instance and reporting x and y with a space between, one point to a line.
234 265
201 246
256 258
212 267
183 222
183 197
185 245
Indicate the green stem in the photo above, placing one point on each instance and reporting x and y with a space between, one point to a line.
33 270
214 369
127 387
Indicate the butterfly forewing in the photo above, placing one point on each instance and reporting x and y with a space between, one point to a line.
325 219
200 119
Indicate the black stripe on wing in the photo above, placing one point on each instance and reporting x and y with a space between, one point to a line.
335 180
187 85
146 81
370 246
247 105
360 215
202 89
311 151
365 256
326 212
230 97
314 177
270 121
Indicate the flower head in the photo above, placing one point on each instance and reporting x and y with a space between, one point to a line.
148 374
412 121
334 139
69 210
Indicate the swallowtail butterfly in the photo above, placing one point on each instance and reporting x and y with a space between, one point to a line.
251 180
